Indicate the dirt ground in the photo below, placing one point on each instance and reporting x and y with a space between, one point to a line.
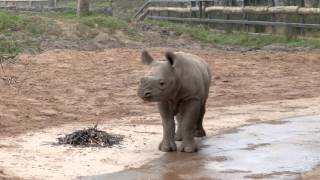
42 96
63 86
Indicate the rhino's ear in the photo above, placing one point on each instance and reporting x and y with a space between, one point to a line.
146 57
171 57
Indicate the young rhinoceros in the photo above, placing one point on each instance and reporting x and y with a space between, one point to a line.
180 84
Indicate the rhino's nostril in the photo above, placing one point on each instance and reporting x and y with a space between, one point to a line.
147 94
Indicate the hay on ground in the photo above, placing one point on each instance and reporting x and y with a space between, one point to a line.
90 137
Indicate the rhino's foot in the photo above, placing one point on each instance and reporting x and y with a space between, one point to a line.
200 133
188 147
167 146
178 136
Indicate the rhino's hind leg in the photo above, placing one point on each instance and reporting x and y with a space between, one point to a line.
190 113
178 135
200 132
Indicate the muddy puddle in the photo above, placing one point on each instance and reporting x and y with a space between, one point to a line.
260 151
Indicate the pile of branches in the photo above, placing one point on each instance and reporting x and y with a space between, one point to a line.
90 137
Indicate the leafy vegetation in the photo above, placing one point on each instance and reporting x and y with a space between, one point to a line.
19 31
108 22
35 31
27 31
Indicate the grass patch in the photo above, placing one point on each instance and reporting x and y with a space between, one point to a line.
21 32
107 22
205 34
8 22
95 21
38 31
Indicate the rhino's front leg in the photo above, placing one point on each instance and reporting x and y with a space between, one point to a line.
178 135
167 117
190 114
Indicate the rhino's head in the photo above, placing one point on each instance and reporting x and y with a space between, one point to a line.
160 82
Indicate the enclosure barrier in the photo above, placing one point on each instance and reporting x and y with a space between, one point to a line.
102 6
241 10
28 4
200 11
243 22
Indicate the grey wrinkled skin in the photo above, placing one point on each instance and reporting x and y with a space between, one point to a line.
180 84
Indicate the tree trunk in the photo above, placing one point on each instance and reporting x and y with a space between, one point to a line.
83 8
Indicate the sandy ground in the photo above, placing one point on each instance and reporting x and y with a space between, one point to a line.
313 175
46 96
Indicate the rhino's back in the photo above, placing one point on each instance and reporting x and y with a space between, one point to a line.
195 74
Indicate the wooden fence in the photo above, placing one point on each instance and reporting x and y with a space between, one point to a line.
104 6
244 15
27 4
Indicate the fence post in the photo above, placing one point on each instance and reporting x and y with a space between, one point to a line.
245 16
182 5
273 17
302 18
83 7
193 4
200 9
30 4
228 26
159 5
168 14
111 6
206 4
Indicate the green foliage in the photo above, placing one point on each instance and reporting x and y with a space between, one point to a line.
9 47
22 31
27 31
70 4
108 22
67 14
34 25
37 25
85 32
94 21
8 22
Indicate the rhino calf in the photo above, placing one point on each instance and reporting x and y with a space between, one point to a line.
180 84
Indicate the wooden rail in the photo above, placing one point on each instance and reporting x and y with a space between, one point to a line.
177 1
244 9
204 11
31 4
5 1
243 22
140 10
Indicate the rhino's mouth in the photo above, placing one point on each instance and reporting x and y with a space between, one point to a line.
148 97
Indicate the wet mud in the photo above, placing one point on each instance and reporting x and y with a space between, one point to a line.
260 151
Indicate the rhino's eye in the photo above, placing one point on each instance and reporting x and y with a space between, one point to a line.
161 83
